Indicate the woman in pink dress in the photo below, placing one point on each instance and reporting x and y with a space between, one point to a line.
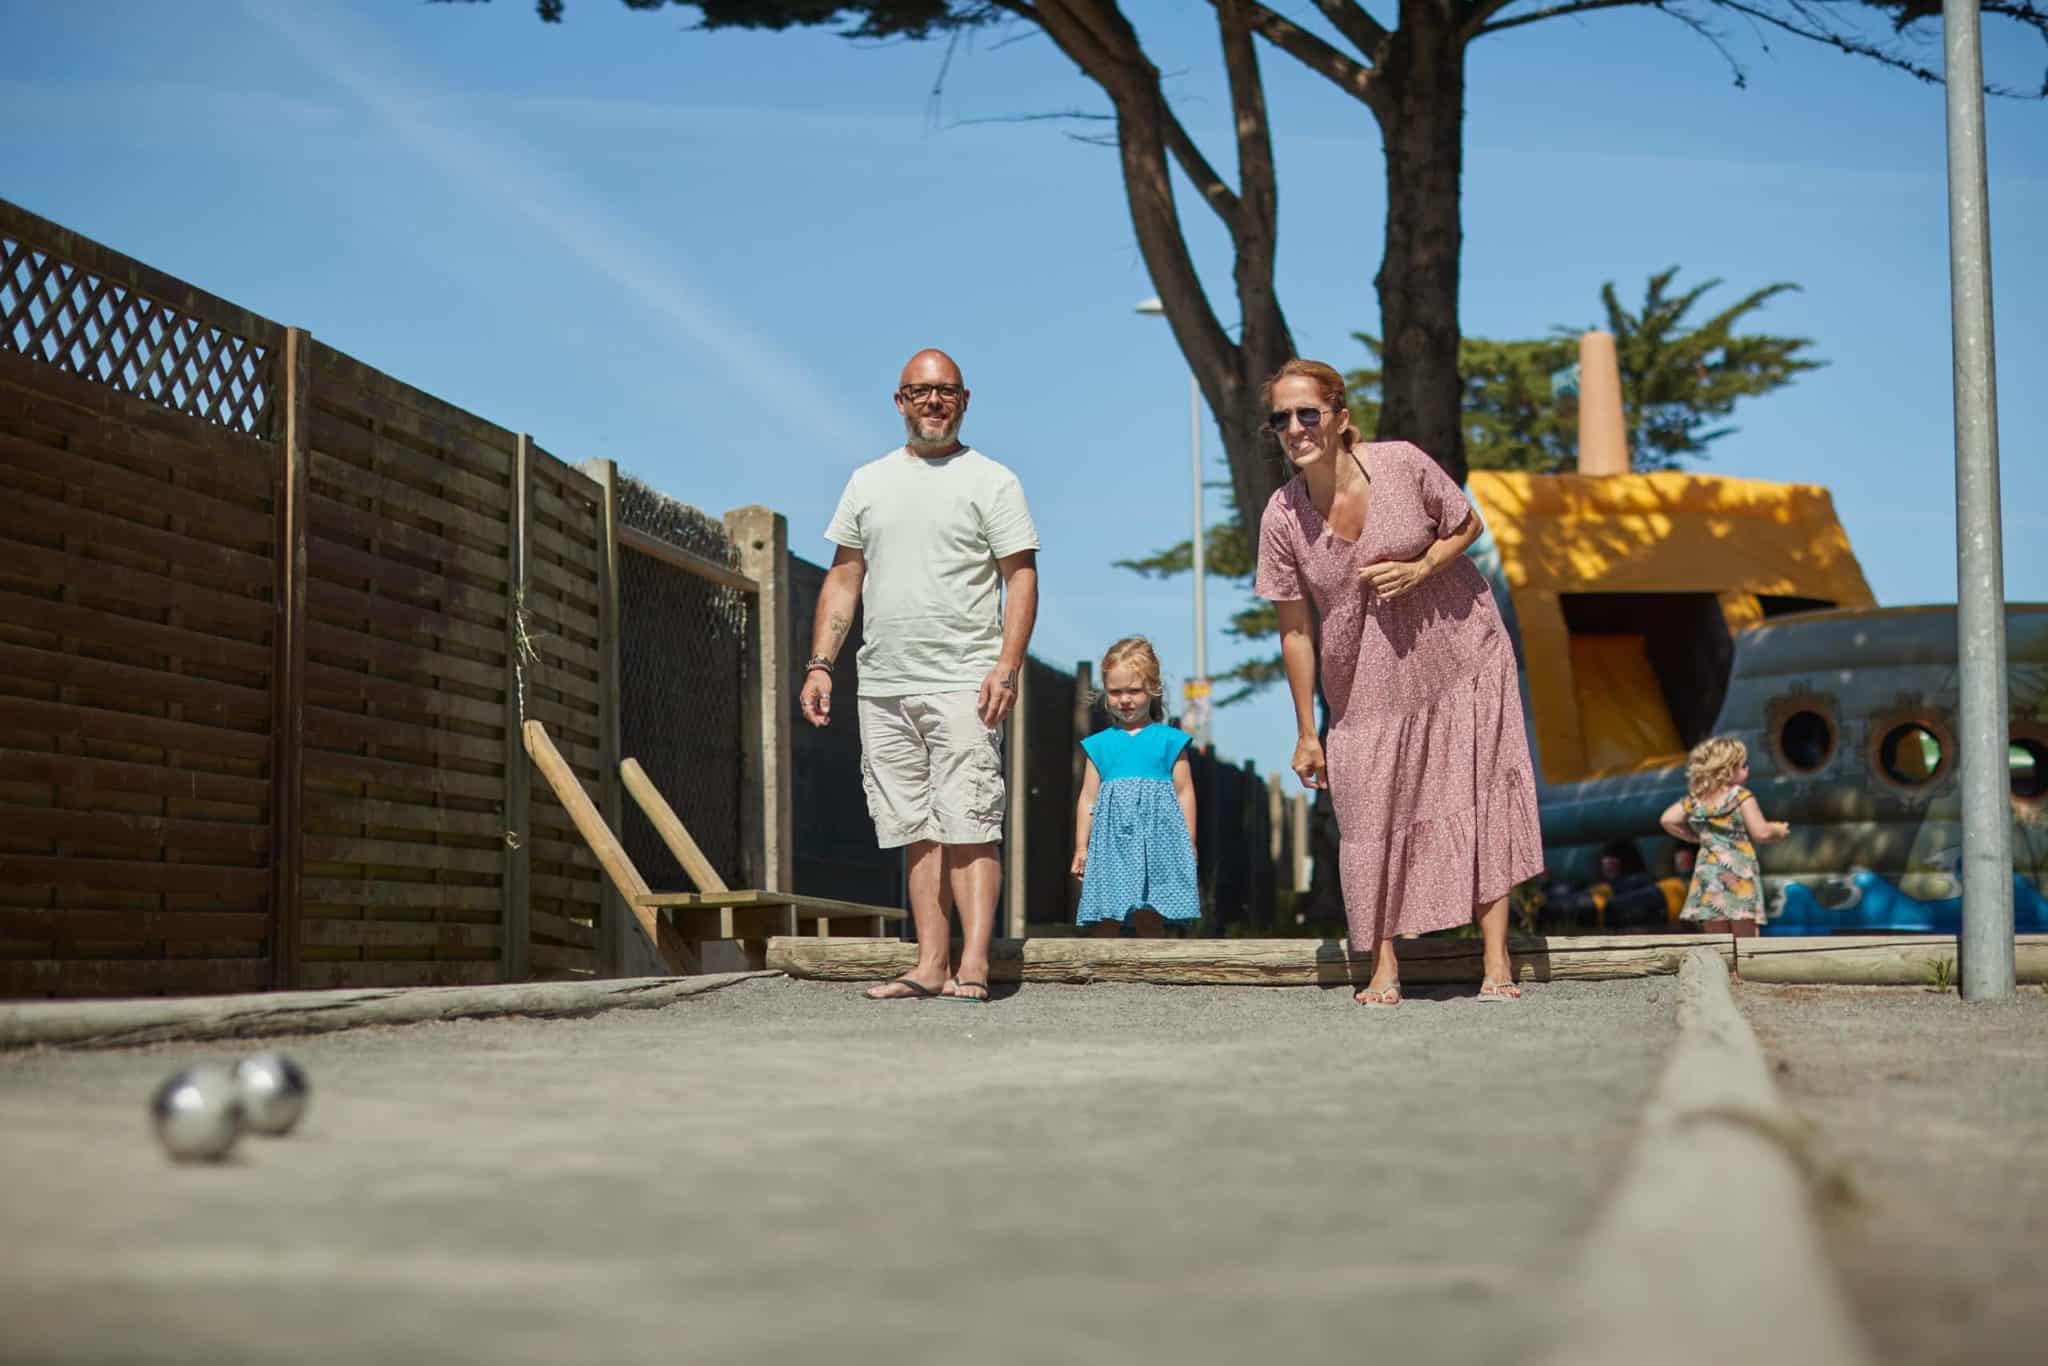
1428 766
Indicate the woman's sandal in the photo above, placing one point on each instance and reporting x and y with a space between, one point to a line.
1380 998
954 994
1492 992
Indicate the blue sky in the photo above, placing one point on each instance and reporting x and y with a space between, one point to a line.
707 255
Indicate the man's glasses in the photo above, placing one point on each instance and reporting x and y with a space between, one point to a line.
1310 419
918 393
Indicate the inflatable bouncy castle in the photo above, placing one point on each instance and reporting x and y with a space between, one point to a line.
1650 611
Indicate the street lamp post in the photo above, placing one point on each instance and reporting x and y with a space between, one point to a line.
1198 686
1986 943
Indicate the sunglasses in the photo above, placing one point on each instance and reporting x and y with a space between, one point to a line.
1310 419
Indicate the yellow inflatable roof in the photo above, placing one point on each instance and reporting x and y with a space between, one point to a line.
1740 540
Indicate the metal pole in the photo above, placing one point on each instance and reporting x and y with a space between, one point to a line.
1986 944
1201 554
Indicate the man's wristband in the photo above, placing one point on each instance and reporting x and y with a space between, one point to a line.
818 662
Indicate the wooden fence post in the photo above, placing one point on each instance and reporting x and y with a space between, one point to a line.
288 679
617 915
761 536
1276 810
1084 708
515 922
1016 829
1301 850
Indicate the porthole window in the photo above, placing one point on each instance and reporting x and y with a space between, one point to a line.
2027 762
1806 741
1910 754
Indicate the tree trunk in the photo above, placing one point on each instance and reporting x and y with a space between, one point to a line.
1423 130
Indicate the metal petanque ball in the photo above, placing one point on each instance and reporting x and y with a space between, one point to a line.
274 1092
198 1114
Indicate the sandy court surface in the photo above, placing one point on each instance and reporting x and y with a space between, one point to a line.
781 1172
1935 1111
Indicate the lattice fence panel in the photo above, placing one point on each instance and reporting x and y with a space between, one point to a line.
683 674
83 317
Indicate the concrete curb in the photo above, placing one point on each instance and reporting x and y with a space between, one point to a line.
123 1024
1708 1252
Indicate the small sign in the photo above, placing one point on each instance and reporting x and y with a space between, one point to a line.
1195 688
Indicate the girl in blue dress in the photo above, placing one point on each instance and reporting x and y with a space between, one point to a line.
1134 826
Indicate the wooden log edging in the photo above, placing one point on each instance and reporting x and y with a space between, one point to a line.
1875 960
1899 960
1249 962
126 1024
1711 1210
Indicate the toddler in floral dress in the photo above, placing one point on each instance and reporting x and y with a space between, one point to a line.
1722 817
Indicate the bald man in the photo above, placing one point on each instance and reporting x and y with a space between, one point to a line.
936 544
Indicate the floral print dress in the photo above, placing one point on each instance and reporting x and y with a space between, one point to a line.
1725 880
1429 766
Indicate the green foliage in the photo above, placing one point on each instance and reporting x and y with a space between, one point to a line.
1226 552
859 18
1679 381
1512 419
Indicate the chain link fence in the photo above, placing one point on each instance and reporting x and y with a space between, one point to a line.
684 671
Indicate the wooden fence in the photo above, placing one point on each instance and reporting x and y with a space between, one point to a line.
269 622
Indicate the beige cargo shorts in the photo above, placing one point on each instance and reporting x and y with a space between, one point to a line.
932 770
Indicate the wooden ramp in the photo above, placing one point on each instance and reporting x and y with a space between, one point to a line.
679 924
1895 960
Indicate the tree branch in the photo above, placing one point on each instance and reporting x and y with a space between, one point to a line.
1484 12
1699 26
1355 79
1800 18
1853 46
1350 19
1096 37
1259 222
1211 186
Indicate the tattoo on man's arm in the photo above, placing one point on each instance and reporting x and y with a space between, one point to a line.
836 626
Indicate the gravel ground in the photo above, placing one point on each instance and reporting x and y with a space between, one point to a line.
1935 1112
779 1171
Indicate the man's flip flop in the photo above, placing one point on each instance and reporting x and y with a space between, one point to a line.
955 995
918 991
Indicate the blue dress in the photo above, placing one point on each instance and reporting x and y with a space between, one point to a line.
1139 853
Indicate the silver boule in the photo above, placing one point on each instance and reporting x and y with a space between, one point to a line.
274 1092
198 1113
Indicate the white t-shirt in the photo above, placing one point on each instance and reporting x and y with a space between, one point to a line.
931 529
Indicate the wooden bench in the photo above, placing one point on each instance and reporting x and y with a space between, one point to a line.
679 924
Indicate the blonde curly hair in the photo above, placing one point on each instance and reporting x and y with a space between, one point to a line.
1711 765
1137 653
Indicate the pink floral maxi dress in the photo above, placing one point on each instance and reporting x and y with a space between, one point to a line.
1428 762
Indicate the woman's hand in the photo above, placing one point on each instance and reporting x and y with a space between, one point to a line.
1391 579
1308 762
1080 868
